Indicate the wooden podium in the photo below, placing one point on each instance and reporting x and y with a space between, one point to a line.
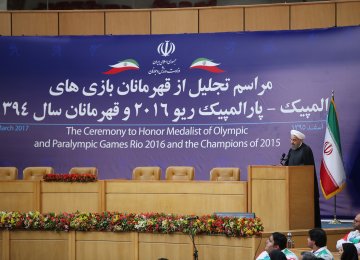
282 196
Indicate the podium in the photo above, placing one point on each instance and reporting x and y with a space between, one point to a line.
282 196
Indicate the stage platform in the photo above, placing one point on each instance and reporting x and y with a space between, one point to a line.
195 197
79 245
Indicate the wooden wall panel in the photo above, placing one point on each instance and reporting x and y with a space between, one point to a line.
265 18
104 245
69 202
5 24
347 13
35 23
82 23
176 197
171 251
174 21
112 245
61 197
308 16
127 22
221 20
224 252
227 247
18 196
173 246
188 20
4 244
36 245
22 202
138 203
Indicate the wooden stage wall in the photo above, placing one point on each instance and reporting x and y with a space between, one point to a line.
34 245
271 192
195 197
178 197
280 16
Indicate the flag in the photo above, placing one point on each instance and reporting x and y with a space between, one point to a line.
206 64
129 64
332 172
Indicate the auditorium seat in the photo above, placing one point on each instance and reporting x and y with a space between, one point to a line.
225 174
84 170
146 173
180 173
8 173
36 173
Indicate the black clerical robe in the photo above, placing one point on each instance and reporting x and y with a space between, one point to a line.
304 156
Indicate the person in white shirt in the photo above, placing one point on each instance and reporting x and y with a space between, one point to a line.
352 236
277 241
317 240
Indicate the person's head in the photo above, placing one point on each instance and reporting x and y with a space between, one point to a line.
276 241
308 256
317 238
277 255
296 139
349 252
357 222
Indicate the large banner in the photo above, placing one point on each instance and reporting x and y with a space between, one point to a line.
202 100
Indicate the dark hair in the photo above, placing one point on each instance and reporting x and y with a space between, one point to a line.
279 240
350 252
277 255
308 256
318 235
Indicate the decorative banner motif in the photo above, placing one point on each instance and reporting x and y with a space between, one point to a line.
332 172
124 65
166 48
206 64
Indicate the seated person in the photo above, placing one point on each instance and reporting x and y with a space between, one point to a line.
276 241
317 242
352 236
277 255
308 256
349 252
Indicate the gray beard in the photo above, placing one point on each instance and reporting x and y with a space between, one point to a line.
294 147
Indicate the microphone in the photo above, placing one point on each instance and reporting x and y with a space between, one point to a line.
283 159
192 218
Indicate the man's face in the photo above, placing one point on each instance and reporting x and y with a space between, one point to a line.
357 222
269 244
295 142
310 243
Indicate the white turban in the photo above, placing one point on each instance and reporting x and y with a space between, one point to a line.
298 134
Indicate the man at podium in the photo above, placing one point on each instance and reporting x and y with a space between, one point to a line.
301 154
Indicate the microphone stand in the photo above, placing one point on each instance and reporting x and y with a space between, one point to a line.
192 237
195 254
